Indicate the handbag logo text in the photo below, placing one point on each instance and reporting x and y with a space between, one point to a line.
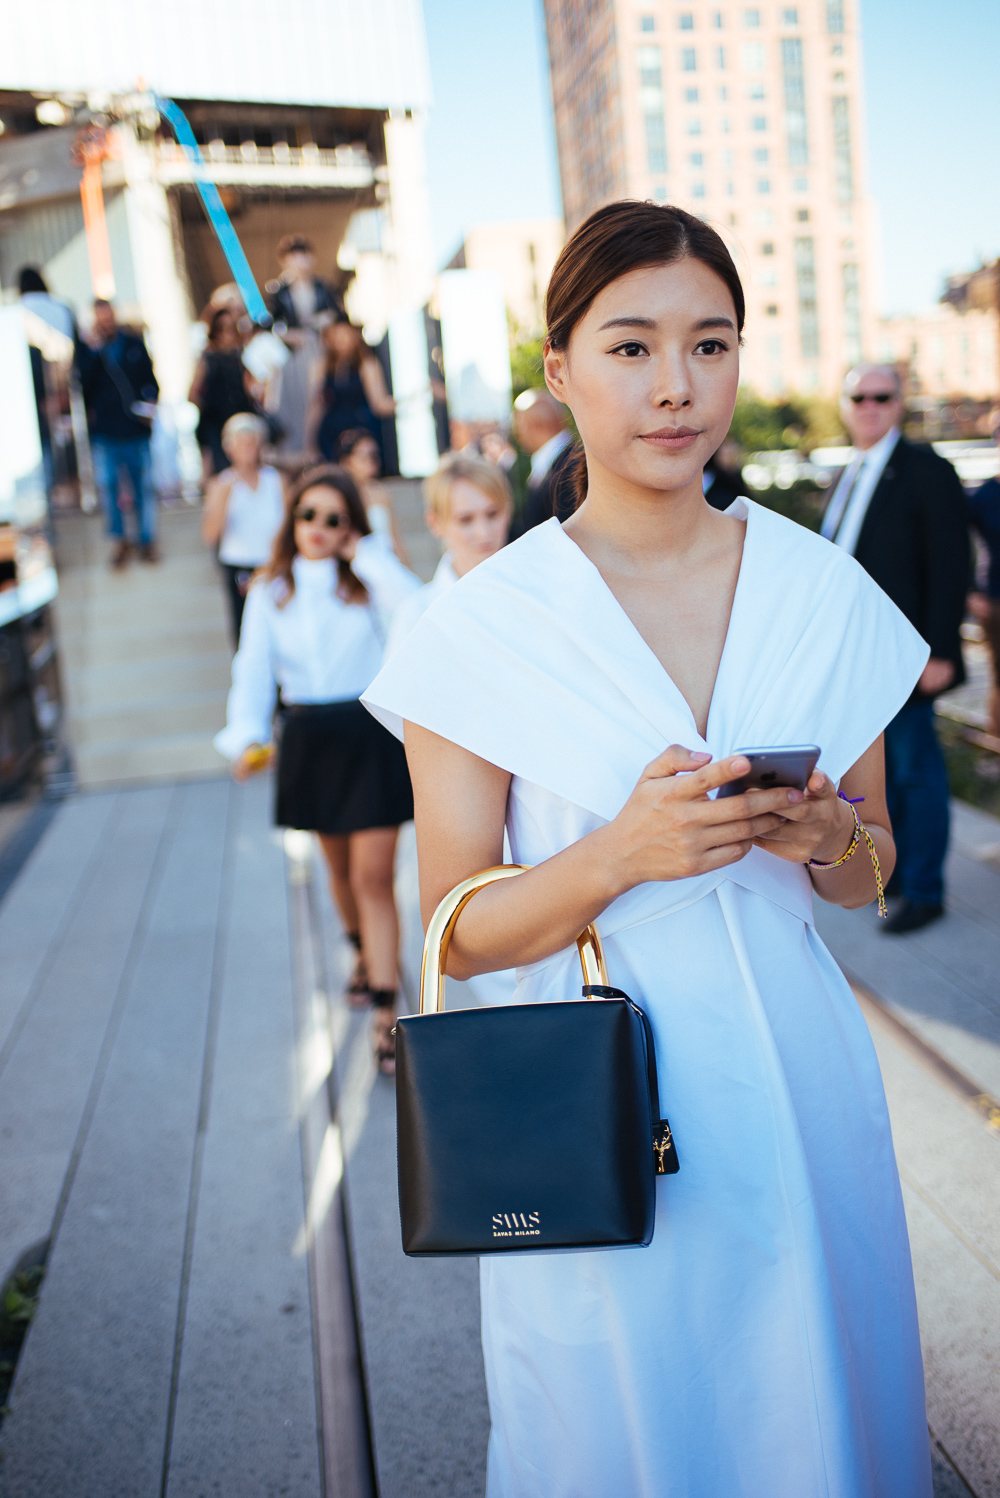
516 1225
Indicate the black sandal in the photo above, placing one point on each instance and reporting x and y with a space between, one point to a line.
384 1039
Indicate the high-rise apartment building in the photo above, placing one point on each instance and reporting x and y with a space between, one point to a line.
751 117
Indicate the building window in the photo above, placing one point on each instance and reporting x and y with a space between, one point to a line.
751 18
843 173
690 96
795 101
724 93
730 189
717 20
838 77
720 57
759 122
800 184
802 215
761 154
725 125
755 91
771 309
689 60
752 57
696 158
656 143
647 23
660 193
686 21
694 127
852 314
789 18
650 72
763 185
768 278
698 190
837 50
805 281
727 158
767 248
835 17
774 347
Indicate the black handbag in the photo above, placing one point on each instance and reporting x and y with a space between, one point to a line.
526 1126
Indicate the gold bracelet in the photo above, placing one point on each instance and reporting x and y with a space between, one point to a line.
860 831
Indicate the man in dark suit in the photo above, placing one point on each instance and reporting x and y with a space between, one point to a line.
901 511
542 429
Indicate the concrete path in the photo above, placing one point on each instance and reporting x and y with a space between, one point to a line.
190 1116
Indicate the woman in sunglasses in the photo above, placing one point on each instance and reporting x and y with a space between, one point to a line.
313 627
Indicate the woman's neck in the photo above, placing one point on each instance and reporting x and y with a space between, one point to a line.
638 528
249 474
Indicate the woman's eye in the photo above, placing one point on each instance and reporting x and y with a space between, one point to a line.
711 346
630 350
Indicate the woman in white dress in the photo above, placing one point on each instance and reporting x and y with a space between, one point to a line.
244 508
358 452
314 625
589 687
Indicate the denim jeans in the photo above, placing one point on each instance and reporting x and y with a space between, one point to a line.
916 783
111 455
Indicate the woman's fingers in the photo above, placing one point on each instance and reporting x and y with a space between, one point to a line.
674 761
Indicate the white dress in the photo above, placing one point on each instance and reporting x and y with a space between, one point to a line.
253 519
765 1344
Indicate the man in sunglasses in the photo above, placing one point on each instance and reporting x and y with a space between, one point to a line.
901 511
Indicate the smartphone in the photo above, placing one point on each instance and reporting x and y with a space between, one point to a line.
791 766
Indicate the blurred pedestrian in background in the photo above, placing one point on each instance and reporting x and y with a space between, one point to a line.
244 509
313 627
220 388
984 601
901 511
36 298
468 509
302 305
348 391
359 453
541 426
120 390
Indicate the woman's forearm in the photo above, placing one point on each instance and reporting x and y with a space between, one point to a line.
523 920
852 885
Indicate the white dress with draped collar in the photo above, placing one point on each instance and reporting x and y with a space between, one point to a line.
765 1345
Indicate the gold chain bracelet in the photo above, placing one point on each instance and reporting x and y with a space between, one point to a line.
860 831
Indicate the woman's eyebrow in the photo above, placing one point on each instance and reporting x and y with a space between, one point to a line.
714 322
627 322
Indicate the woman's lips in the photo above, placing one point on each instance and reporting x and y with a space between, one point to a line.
672 439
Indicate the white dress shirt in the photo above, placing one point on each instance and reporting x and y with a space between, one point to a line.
847 509
317 648
543 459
253 517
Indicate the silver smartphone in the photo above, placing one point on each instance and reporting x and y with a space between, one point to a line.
791 766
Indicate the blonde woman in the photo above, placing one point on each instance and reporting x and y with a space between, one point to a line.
468 509
244 508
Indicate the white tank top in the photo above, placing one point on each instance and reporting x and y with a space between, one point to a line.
252 519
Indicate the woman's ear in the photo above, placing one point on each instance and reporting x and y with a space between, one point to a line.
554 369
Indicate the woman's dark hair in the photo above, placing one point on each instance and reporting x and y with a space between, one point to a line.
349 440
284 552
216 320
360 353
616 239
30 278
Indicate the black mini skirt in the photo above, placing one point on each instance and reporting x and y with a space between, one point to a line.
340 771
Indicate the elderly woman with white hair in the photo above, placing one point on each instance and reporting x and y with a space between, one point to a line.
244 508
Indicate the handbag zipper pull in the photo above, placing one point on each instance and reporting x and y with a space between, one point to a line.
664 1150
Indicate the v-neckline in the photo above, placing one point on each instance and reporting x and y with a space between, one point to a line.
644 645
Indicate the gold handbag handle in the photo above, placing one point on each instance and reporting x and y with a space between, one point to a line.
441 926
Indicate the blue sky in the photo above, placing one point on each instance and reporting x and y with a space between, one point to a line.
933 103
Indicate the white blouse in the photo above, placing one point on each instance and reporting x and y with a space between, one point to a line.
253 517
317 648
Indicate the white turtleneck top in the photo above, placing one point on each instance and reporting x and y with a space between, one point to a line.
317 648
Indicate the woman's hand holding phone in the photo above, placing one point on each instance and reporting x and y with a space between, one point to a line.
670 828
816 824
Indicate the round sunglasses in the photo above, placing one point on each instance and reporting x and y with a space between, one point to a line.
881 399
332 518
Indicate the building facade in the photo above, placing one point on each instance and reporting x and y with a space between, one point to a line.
751 117
521 253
